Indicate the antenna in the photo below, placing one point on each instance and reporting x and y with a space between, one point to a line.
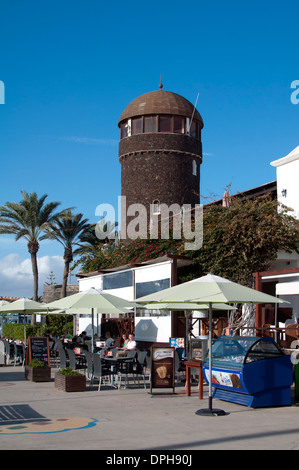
188 132
160 86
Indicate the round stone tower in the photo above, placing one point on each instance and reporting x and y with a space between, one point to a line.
160 150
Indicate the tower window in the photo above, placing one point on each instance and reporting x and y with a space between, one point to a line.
150 124
193 129
160 123
137 126
194 168
165 123
125 130
179 125
156 205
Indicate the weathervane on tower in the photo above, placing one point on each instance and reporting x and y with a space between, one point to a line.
160 85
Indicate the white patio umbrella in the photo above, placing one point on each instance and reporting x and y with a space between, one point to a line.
89 301
24 306
209 289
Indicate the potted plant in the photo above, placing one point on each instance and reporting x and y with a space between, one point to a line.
38 371
69 380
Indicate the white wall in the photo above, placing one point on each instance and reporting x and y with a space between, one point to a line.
150 328
88 282
153 327
287 172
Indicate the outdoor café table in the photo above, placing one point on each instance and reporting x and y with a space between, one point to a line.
116 362
80 358
194 365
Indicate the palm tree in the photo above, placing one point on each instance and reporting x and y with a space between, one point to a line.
90 243
28 219
67 229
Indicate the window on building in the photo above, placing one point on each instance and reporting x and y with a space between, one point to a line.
150 123
146 288
117 281
169 124
156 207
193 129
179 125
125 129
194 168
137 126
165 123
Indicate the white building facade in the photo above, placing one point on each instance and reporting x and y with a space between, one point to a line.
131 283
285 269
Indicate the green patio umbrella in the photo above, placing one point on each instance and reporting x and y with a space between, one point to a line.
24 306
89 301
213 290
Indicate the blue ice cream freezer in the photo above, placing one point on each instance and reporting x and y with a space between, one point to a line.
250 371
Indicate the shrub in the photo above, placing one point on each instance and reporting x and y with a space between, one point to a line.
69 371
37 363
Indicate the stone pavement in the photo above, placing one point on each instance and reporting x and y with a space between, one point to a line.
38 416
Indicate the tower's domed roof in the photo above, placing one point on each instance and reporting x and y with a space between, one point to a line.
160 102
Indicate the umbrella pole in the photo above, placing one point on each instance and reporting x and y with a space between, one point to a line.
24 323
187 336
210 411
210 355
92 330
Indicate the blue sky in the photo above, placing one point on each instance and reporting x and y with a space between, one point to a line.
70 68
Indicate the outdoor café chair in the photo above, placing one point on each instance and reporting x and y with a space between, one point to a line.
126 367
100 371
62 358
54 352
75 362
178 366
89 365
8 351
2 353
139 366
19 353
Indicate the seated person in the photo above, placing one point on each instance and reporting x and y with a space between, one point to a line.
109 341
84 336
125 339
129 346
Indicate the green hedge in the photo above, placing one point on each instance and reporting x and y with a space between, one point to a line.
55 325
16 330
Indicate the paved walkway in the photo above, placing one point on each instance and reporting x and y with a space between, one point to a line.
38 416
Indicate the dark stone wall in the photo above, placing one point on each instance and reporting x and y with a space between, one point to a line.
159 166
166 176
160 141
53 291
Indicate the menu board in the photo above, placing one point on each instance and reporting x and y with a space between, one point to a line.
162 368
38 348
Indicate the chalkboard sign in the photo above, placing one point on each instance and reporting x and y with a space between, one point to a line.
38 348
162 368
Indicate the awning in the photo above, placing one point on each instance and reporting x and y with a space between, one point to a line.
287 288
